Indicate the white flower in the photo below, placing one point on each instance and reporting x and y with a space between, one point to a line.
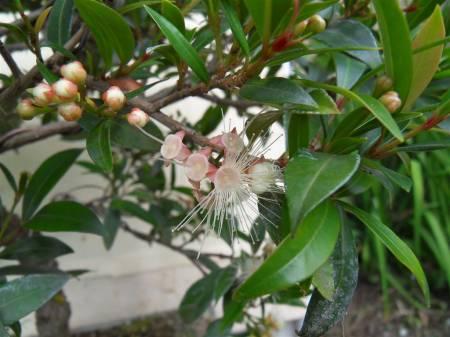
173 147
232 200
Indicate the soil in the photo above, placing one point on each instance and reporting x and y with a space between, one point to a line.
365 318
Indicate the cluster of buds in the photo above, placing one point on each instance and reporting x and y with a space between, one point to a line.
64 94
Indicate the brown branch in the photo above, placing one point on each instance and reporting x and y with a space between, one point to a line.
10 61
240 105
19 137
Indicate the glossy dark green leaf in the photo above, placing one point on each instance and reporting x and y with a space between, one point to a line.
46 73
348 70
37 248
60 22
375 107
277 91
421 147
297 131
65 216
426 63
173 14
137 5
313 177
9 177
180 44
45 178
349 33
260 123
109 28
298 256
321 313
397 45
325 104
204 292
22 296
399 248
98 145
210 120
112 223
235 25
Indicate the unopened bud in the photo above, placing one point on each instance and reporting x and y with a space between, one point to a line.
316 24
383 84
137 117
263 176
70 111
43 94
197 166
114 98
26 109
65 90
391 101
74 72
173 147
300 27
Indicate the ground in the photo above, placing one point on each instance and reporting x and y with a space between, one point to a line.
365 319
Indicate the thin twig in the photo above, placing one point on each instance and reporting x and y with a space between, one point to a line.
10 61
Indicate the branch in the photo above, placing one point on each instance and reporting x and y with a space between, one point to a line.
10 61
240 105
19 137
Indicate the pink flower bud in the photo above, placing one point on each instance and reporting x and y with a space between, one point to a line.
197 166
391 101
65 89
70 111
74 72
25 109
43 94
137 117
173 147
114 98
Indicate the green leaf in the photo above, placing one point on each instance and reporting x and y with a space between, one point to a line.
325 104
424 147
426 63
277 91
397 46
45 178
109 28
348 70
36 248
313 177
65 216
60 22
376 108
262 122
235 25
321 313
137 5
133 209
298 256
323 280
3 331
112 223
46 73
21 297
400 249
180 44
9 177
267 14
98 145
210 120
173 14
204 292
297 131
349 33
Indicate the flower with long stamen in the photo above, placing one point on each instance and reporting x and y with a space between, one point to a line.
232 200
197 165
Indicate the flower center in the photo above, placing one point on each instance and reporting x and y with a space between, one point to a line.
227 179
